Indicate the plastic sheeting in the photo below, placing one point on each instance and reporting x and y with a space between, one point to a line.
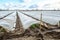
51 17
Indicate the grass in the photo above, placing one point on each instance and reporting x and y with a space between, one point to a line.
34 26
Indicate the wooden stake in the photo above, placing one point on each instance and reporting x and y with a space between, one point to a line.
59 24
40 20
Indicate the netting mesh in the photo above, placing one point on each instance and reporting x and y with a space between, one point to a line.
8 18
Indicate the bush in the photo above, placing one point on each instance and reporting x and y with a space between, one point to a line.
2 29
34 26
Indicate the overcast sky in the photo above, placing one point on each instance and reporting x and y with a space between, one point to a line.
29 4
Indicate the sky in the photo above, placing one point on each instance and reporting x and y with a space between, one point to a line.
29 4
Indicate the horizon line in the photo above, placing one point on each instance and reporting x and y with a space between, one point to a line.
27 10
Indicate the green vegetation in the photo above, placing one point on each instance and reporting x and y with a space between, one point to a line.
34 26
2 29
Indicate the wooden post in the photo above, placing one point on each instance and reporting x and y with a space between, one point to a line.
59 24
42 35
40 20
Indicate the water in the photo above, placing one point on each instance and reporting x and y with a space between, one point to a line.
51 17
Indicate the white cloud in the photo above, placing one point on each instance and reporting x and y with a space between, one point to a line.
12 5
44 4
49 4
27 1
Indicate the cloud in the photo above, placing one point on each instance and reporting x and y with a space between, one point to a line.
4 1
29 4
15 5
34 6
49 4
12 6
